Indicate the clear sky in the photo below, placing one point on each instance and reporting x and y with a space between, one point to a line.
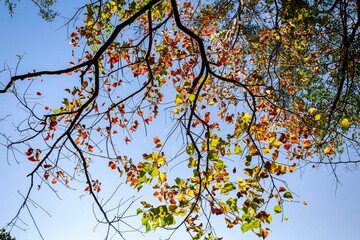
332 213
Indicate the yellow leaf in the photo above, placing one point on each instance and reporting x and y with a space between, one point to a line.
162 177
328 150
312 110
266 150
161 161
190 193
345 123
305 203
191 97
181 197
274 142
247 117
178 101
317 117
294 139
177 110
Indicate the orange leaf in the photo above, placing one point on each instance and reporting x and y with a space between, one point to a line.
112 165
91 148
294 139
208 32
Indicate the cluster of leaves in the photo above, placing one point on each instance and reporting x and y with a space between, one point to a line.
44 6
254 88
5 235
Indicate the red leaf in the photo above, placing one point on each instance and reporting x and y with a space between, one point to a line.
33 159
287 146
38 93
87 189
112 165
46 175
172 201
29 152
54 181
127 140
207 117
148 120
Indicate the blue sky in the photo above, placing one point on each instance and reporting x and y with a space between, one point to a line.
333 210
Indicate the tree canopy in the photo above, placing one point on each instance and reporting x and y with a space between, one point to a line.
234 95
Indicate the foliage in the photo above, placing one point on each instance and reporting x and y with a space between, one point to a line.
5 235
250 90
44 6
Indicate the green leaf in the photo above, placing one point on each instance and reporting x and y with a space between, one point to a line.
288 195
191 97
56 111
190 149
237 149
228 187
162 222
212 155
277 209
245 227
138 211
154 172
269 219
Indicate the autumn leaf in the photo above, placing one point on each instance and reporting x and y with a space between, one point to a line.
312 110
207 117
162 177
90 148
247 117
275 142
209 31
157 141
112 165
345 123
328 150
